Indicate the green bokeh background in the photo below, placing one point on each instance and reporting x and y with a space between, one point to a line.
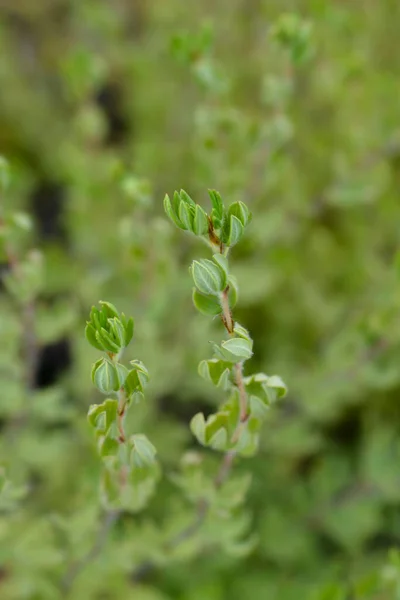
106 105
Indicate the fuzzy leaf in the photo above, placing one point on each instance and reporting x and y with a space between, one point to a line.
217 203
101 416
208 277
208 305
240 211
90 334
143 452
235 231
200 222
186 216
184 196
106 376
239 347
170 212
222 262
216 371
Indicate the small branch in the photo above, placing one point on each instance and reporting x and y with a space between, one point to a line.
227 462
101 539
227 319
225 469
122 404
203 509
226 312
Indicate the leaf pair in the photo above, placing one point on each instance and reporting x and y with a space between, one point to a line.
110 376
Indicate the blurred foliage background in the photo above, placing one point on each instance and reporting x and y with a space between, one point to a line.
106 105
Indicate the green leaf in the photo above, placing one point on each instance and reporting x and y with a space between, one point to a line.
241 332
90 334
235 231
275 382
216 371
106 376
109 345
101 416
109 309
135 382
198 427
129 327
200 222
208 277
186 216
170 212
143 452
240 211
214 424
184 196
267 389
118 331
217 203
207 305
241 348
258 408
108 445
219 441
222 262
176 200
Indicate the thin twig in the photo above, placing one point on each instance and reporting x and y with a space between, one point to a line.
226 465
100 541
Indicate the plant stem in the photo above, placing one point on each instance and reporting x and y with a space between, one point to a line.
227 462
100 541
226 312
122 403
238 368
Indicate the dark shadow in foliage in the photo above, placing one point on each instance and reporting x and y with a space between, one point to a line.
174 406
346 431
54 360
48 203
109 99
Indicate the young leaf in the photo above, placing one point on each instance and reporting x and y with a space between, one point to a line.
143 452
109 309
129 327
186 216
276 383
170 212
217 203
90 334
200 222
222 262
107 342
105 376
186 198
198 427
239 347
101 416
241 332
216 371
208 278
235 231
219 441
207 305
240 210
